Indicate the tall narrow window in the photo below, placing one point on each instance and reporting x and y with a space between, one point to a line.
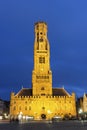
14 108
40 59
26 108
43 59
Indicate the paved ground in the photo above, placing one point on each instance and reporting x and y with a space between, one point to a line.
63 125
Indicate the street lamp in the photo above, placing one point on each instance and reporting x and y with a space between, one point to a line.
80 111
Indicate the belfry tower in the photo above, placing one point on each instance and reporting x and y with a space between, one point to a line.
41 74
41 101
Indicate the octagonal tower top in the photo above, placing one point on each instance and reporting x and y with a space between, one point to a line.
40 26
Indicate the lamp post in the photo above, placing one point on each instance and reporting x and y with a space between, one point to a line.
80 111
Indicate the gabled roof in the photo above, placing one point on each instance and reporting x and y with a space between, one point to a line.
55 91
60 92
25 92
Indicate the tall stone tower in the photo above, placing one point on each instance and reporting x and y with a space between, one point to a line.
41 101
41 74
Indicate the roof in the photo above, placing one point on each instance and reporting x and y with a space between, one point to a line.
25 92
60 92
56 92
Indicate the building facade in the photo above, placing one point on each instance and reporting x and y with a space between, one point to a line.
4 108
42 101
82 101
82 107
85 103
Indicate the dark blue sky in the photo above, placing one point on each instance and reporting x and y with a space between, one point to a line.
67 34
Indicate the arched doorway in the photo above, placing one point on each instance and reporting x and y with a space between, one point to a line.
43 116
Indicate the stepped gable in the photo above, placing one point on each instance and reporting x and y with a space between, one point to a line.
25 92
60 92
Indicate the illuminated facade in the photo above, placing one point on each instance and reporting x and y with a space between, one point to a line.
42 101
83 104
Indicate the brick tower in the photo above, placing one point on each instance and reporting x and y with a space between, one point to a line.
41 74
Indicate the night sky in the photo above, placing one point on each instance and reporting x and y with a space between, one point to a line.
67 34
